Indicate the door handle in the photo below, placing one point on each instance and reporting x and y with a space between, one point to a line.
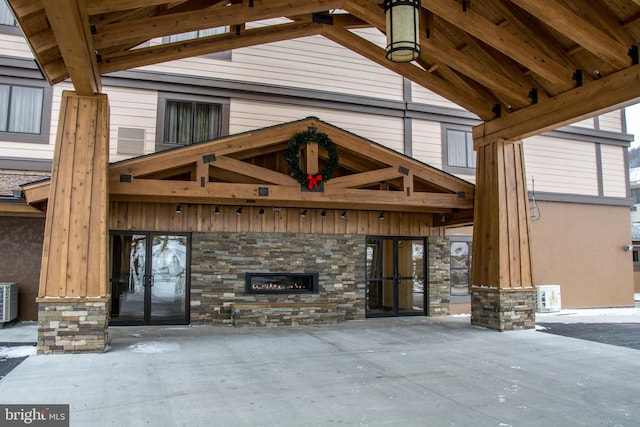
148 280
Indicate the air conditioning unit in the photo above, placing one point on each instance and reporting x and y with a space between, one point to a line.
549 298
8 301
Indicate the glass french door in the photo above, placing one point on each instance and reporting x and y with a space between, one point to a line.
395 276
149 278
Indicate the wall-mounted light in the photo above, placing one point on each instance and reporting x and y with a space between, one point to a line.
381 217
303 214
403 29
323 213
239 211
178 209
343 214
216 211
261 211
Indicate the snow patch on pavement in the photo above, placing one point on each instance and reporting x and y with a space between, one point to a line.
18 351
154 347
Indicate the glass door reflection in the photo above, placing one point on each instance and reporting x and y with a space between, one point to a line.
395 277
149 279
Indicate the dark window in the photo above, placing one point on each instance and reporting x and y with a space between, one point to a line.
191 122
8 25
635 193
185 119
458 153
460 268
25 111
6 17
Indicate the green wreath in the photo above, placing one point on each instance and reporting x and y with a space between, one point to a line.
292 155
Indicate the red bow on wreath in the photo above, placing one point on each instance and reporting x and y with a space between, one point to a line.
313 181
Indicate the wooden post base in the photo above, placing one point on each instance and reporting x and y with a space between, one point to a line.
72 325
503 310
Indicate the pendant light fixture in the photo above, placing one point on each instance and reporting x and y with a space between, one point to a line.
403 29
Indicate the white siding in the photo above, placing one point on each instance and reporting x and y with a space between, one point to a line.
14 46
561 166
614 178
586 123
313 63
250 115
427 142
131 108
612 121
26 150
422 95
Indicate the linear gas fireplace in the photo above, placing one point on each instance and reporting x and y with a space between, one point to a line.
281 283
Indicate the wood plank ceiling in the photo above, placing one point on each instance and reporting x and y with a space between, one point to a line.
522 66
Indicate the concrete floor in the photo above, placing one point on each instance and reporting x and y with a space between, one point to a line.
378 372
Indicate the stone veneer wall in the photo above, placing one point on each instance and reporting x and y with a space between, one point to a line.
439 259
219 262
72 325
503 310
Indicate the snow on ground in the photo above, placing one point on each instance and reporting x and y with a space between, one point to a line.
591 315
154 347
18 351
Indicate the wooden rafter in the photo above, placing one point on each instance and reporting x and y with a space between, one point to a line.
598 97
207 45
443 88
69 23
164 25
502 40
507 53
583 32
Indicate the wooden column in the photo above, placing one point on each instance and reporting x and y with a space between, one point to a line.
73 293
502 292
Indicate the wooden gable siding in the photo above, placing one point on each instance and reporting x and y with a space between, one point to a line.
251 115
614 176
561 166
202 218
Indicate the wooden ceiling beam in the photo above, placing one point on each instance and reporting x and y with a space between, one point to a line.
597 97
257 172
591 37
206 45
364 179
363 47
222 192
95 7
510 87
175 23
69 22
502 40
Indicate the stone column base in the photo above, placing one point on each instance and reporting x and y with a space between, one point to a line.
503 310
72 325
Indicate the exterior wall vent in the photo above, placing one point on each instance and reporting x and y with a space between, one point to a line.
130 141
548 298
8 301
